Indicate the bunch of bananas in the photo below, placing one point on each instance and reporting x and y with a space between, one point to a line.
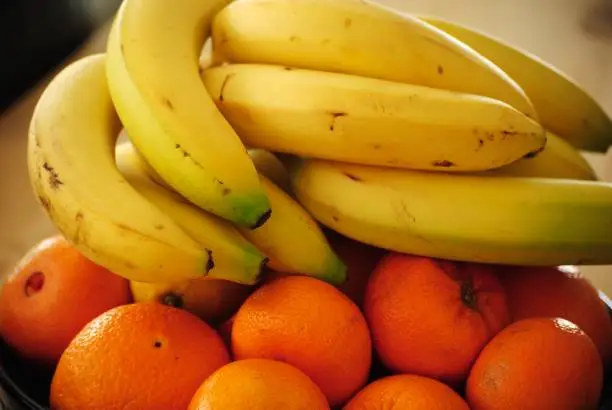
409 133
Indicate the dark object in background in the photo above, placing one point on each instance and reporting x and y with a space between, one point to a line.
597 22
37 35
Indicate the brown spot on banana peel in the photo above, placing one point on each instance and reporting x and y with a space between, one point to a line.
223 85
294 39
480 144
222 37
335 116
54 181
180 148
168 103
159 227
348 22
79 234
353 177
44 201
440 70
210 264
505 134
225 191
35 137
443 164
335 218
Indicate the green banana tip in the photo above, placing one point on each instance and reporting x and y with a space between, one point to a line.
252 267
336 274
251 212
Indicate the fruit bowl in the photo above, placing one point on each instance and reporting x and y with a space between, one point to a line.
24 387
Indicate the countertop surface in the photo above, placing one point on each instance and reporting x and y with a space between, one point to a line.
576 36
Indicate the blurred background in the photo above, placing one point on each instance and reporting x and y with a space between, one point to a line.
39 36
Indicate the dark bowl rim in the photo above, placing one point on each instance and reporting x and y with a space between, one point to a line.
11 388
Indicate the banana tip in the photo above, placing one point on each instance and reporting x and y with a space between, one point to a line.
337 274
262 219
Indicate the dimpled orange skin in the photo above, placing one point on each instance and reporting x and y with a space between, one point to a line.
559 292
432 317
52 293
311 325
537 364
139 356
406 392
259 384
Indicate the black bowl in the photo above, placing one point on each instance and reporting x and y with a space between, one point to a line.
24 387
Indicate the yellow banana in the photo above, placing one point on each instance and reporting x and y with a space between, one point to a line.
72 170
563 106
293 240
369 121
270 166
212 300
515 221
358 37
153 55
233 257
558 160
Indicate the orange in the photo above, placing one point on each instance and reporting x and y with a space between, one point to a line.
360 260
259 384
139 356
212 300
407 392
559 292
432 317
537 363
311 325
51 294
